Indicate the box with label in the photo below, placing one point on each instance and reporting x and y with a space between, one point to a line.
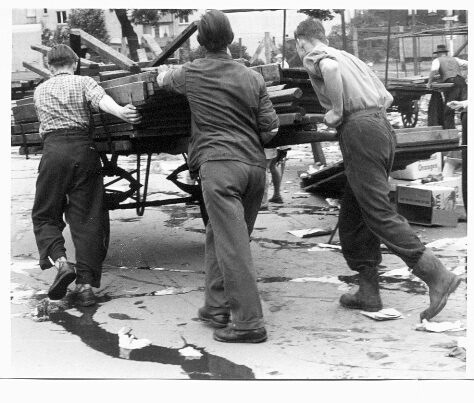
427 204
420 169
453 182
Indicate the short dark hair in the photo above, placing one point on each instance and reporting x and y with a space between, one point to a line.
311 28
61 55
214 31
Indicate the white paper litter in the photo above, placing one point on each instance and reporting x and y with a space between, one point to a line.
309 232
190 353
439 327
449 244
459 270
128 341
173 291
383 314
324 279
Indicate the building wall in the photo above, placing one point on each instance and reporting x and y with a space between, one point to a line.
22 37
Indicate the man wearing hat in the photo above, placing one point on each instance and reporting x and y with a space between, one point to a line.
449 68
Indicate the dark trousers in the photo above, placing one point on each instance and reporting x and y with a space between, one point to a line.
232 193
464 158
366 217
458 92
70 182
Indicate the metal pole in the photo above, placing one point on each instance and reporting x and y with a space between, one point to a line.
388 47
240 48
343 29
283 51
415 44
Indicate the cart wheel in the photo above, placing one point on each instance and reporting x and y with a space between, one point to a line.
410 113
436 110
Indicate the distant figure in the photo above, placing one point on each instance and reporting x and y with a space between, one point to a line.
356 100
279 60
449 68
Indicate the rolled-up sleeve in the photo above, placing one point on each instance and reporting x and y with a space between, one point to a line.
312 60
175 79
267 117
93 92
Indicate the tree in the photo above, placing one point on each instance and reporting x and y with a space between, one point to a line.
51 38
90 20
323 15
142 16
235 49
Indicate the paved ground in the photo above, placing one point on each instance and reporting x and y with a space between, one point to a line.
153 280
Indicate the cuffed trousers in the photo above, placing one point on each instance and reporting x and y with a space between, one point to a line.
70 182
232 193
366 217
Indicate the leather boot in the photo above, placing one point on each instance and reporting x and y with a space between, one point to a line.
367 297
440 282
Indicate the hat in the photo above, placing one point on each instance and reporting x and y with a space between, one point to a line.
441 49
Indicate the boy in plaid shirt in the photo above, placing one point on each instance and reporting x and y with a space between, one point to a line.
69 175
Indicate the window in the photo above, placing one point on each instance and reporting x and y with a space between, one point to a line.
62 17
147 29
31 16
184 19
45 11
163 31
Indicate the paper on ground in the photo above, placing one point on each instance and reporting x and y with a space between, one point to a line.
129 341
451 244
383 314
173 291
324 279
309 232
439 327
323 246
190 353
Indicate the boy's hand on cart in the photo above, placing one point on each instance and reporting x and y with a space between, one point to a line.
457 105
131 115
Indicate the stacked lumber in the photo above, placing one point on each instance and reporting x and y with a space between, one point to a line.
164 114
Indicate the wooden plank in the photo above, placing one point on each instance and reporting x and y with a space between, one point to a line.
25 128
300 137
148 76
132 93
36 68
427 137
152 44
106 51
285 95
25 113
174 45
45 49
288 119
111 75
24 101
116 146
276 87
418 129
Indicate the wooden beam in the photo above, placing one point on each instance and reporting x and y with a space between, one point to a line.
149 77
288 119
36 68
25 113
45 49
427 137
133 93
110 75
174 45
106 51
152 44
300 137
285 95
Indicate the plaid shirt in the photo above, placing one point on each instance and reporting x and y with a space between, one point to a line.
61 102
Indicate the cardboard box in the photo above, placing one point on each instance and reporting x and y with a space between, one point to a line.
420 169
453 182
427 204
